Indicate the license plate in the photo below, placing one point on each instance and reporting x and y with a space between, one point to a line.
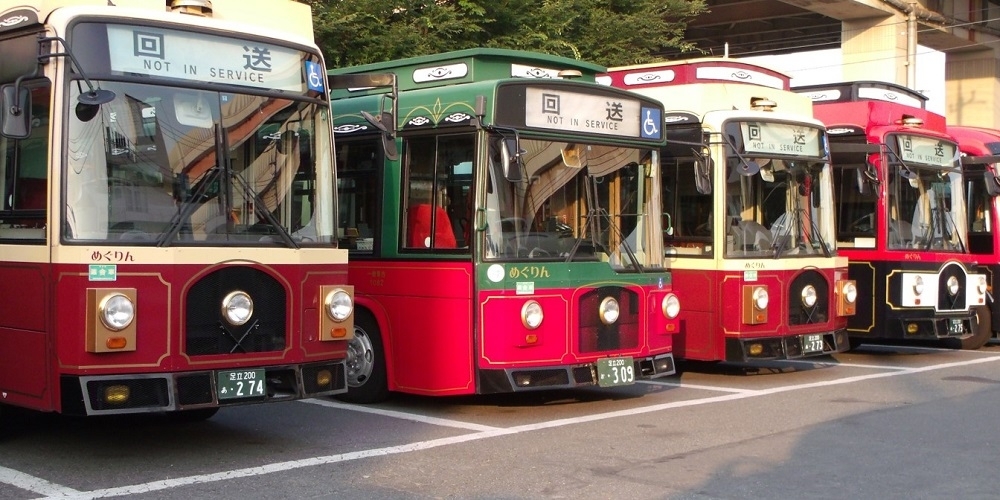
613 372
236 384
812 343
956 327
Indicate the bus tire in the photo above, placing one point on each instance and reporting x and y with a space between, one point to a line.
366 378
982 333
192 416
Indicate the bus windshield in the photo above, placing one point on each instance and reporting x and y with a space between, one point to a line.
169 166
574 201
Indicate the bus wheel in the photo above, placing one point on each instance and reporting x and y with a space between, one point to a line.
366 380
191 416
982 333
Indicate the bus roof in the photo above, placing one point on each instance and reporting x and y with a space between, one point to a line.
976 140
701 70
470 65
284 15
865 105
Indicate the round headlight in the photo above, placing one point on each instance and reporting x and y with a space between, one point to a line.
952 286
809 296
531 314
237 308
609 310
982 285
117 311
850 290
671 306
339 304
760 298
918 285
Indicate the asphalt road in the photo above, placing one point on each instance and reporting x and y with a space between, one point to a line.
879 422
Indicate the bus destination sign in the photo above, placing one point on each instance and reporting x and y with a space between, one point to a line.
926 150
207 58
597 114
781 139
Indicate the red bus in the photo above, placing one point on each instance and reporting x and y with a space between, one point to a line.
167 241
514 242
902 216
980 149
746 181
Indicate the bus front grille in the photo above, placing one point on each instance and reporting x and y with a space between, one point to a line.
595 335
207 332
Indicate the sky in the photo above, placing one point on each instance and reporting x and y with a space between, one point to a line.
822 66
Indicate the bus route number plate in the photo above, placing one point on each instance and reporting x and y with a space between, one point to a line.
239 384
613 372
812 343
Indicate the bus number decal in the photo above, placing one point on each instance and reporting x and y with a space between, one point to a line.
376 278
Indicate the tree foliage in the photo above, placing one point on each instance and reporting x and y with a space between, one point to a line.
606 32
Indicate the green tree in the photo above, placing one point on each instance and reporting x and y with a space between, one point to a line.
607 32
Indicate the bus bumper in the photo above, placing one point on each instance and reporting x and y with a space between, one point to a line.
739 350
564 377
166 392
926 328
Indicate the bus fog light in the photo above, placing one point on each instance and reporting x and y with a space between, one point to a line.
116 394
609 310
117 311
953 286
531 315
912 328
324 378
809 296
755 349
237 307
339 304
671 306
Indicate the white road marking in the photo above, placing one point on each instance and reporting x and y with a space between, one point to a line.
845 365
683 385
60 492
403 415
34 484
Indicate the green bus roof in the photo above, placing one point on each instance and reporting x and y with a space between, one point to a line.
470 65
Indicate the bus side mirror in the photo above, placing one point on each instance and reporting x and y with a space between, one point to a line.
15 120
510 154
703 175
386 124
992 183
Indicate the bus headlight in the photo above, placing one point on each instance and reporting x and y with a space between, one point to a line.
671 306
982 287
609 310
117 311
809 296
237 307
760 298
531 315
918 285
339 304
847 297
850 291
952 286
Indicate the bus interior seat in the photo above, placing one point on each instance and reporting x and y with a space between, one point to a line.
418 228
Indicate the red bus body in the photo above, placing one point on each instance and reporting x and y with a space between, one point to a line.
902 216
708 100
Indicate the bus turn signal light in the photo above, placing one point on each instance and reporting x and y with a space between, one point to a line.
116 343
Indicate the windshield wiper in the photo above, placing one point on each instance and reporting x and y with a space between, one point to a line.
190 203
594 215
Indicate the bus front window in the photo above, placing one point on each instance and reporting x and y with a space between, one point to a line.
926 210
161 165
574 201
